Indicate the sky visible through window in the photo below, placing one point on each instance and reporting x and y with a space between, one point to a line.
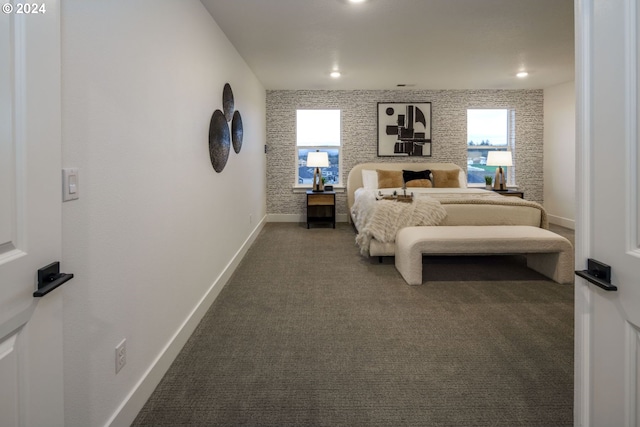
318 130
487 125
487 130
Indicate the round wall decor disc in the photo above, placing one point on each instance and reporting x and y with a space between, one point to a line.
236 131
227 102
219 141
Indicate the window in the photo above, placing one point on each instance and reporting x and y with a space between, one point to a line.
318 130
488 130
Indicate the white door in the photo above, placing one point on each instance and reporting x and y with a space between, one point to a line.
608 212
31 386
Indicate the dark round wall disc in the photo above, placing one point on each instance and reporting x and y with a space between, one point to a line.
227 102
219 141
236 131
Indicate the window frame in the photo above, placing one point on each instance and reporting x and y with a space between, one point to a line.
338 183
509 146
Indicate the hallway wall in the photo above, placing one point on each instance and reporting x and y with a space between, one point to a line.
156 231
560 153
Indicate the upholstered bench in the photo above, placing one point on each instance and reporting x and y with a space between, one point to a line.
547 253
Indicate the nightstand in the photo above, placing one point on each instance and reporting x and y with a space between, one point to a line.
513 193
321 207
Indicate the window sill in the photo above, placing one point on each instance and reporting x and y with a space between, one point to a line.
509 187
305 188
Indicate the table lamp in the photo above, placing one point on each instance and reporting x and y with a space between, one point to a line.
500 159
317 159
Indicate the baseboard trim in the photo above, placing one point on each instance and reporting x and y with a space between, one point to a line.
285 218
563 222
135 400
299 218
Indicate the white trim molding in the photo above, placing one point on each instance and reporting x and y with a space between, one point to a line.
583 303
135 400
300 218
561 221
632 155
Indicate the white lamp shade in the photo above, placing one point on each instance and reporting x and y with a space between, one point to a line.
318 159
499 158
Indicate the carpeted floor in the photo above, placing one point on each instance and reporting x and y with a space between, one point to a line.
309 333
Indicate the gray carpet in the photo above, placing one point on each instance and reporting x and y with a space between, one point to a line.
309 333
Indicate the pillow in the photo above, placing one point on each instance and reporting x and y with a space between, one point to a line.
462 179
426 183
369 179
389 179
409 176
446 178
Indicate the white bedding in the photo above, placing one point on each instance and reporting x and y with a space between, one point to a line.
381 219
462 206
365 199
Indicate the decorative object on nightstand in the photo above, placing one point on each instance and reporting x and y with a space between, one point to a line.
488 179
500 159
321 207
317 159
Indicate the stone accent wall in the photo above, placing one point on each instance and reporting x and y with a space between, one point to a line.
359 134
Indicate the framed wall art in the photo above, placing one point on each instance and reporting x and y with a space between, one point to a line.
404 129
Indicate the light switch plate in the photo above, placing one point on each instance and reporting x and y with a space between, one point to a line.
70 184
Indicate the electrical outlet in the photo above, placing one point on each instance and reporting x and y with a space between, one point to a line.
121 355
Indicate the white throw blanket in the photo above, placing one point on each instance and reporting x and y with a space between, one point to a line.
387 217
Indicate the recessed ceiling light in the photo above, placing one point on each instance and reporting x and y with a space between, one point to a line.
335 74
522 74
357 1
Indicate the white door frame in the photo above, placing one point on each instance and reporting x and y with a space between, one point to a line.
585 186
582 397
31 365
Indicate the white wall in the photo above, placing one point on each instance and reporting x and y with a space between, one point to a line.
559 154
156 231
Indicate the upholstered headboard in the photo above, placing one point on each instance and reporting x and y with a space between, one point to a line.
354 180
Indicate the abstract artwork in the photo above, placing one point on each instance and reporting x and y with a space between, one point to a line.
404 129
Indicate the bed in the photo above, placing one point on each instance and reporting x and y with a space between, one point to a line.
379 204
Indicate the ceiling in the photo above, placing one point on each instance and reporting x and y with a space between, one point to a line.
423 44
